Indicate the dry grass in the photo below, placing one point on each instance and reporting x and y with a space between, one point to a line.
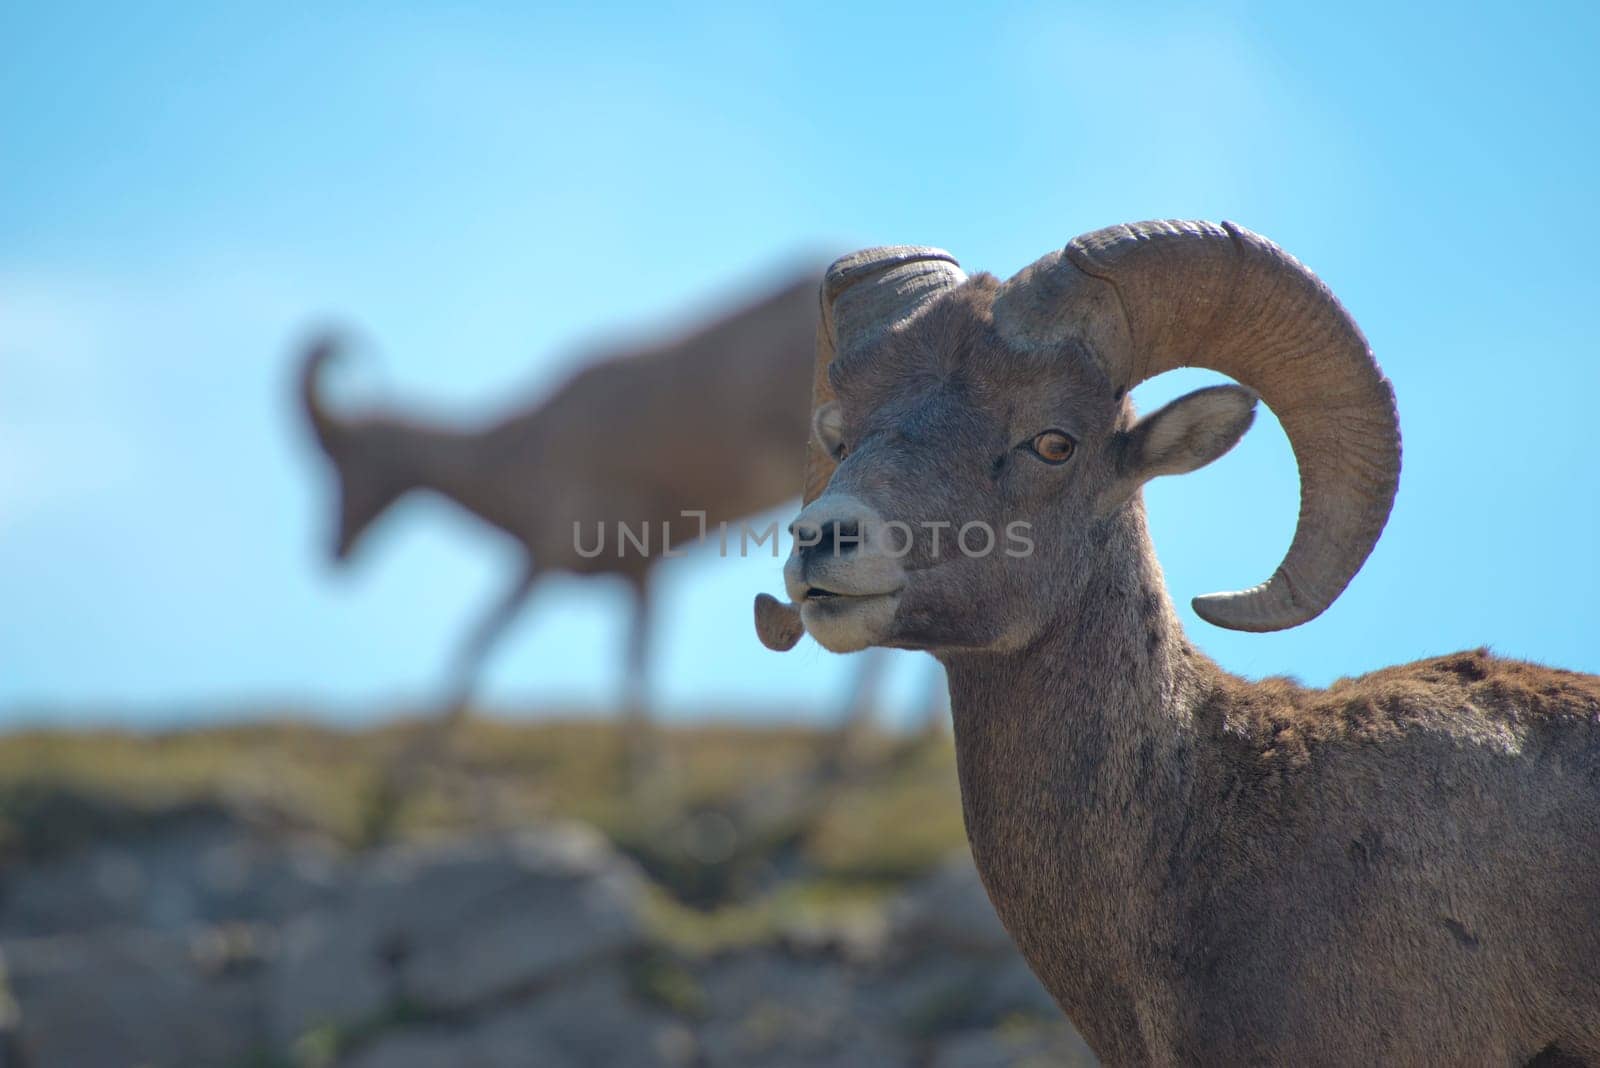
732 812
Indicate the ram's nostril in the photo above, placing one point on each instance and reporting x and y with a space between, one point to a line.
840 537
830 538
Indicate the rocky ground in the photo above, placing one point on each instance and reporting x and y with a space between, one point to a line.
203 933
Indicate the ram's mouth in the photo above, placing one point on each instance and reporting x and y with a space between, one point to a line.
846 621
823 595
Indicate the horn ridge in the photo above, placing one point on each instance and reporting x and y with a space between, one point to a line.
1227 299
863 296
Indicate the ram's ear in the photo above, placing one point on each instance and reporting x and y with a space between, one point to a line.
1183 436
827 426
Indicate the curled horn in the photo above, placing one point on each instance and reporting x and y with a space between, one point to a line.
865 295
1148 297
323 422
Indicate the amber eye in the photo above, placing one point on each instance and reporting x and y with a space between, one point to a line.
1053 447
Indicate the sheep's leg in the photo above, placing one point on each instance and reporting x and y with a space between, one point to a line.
839 748
864 690
480 641
429 748
638 737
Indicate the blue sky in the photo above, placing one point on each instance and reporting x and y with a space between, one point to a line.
486 191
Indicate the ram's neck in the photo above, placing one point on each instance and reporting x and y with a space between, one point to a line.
477 469
1074 760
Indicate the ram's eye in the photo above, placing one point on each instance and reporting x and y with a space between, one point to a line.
1053 446
840 451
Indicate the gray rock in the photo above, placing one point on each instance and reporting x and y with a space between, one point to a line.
974 1049
449 927
590 1022
330 974
485 953
948 909
199 868
133 998
772 1010
1057 1047
431 1048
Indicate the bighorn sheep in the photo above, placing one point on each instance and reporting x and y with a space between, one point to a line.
1403 868
709 421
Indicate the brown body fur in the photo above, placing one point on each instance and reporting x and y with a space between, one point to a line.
1403 868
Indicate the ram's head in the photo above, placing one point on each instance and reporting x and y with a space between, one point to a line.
974 450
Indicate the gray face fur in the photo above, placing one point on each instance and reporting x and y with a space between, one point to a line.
966 536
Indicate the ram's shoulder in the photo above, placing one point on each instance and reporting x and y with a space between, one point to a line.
1466 698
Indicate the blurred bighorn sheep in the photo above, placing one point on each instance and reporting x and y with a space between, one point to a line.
713 420
1403 868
